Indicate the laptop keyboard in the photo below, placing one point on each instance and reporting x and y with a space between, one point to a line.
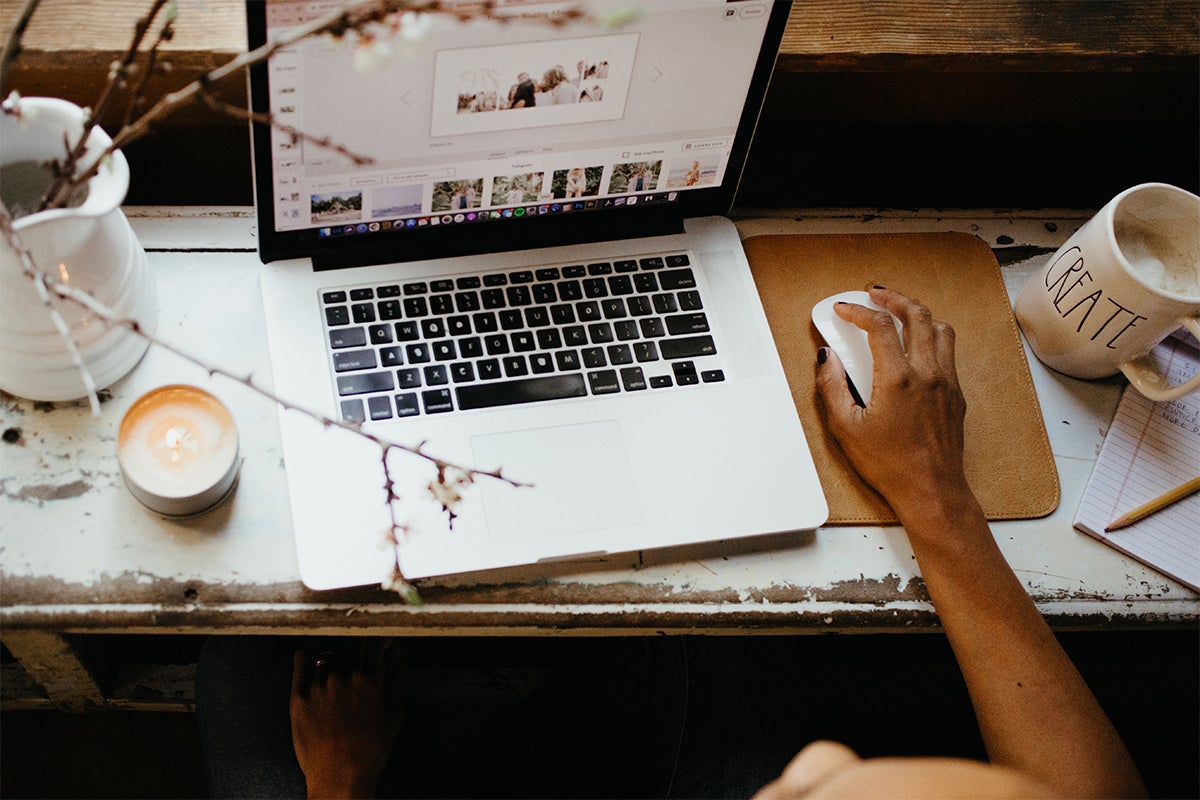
531 335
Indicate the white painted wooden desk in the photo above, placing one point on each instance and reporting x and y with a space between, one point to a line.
79 555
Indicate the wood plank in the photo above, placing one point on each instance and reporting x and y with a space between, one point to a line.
992 35
53 664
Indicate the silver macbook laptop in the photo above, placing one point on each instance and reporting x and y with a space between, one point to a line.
531 272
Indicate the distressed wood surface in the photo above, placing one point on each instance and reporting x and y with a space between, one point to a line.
69 43
79 554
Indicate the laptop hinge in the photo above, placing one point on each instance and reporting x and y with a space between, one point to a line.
457 240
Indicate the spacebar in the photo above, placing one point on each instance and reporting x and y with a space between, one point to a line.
527 390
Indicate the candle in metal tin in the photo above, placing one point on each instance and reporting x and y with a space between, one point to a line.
178 450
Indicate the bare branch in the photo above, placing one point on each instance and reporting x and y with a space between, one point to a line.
12 45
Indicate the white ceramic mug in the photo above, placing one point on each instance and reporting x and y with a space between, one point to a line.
1124 282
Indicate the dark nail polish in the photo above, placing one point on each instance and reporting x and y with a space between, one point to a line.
822 355
877 286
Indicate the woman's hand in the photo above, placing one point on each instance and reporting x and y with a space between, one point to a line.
908 441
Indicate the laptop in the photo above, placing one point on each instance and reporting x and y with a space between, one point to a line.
528 269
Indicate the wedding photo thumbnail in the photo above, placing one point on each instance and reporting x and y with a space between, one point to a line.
336 207
576 182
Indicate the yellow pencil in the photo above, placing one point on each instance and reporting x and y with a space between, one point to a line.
1157 504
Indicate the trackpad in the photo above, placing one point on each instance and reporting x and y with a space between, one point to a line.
581 476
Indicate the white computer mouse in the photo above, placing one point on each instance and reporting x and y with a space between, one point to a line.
849 341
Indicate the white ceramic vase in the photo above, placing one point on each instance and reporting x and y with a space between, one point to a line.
90 247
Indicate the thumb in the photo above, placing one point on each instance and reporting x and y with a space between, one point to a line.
833 391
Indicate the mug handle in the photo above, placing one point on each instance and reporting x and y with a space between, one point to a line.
1146 379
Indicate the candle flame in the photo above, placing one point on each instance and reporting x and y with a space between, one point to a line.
176 440
63 274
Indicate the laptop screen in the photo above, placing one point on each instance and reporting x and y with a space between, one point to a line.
439 135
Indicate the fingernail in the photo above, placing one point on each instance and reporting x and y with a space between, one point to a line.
877 286
822 355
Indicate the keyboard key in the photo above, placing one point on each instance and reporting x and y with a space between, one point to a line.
652 327
380 334
362 294
547 274
436 375
600 333
352 411
445 285
639 306
437 401
406 405
492 280
518 295
685 373
549 339
379 407
391 290
485 322
408 378
363 312
416 307
712 376
687 323
689 301
492 298
645 351
496 344
527 390
645 282
537 317
441 304
688 347
489 369
466 302
588 311
625 266
419 287
390 357
574 271
677 279
567 360
574 336
515 366
347 337
570 290
604 382
562 314
619 354
462 372
613 308
545 293
389 309
433 328
407 331
337 315
665 304
661 382
470 347
594 288
680 260
541 363
593 357
632 379
417 353
511 319
522 342
459 325
522 276
601 268
651 263
364 382
333 297
444 350
621 284
349 360
626 330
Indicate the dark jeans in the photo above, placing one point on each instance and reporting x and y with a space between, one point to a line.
677 717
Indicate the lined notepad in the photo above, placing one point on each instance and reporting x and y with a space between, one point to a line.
1150 449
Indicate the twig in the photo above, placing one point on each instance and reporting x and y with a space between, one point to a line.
12 45
237 112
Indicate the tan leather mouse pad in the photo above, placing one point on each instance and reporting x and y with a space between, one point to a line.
1008 459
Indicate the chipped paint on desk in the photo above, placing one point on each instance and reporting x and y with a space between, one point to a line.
78 553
